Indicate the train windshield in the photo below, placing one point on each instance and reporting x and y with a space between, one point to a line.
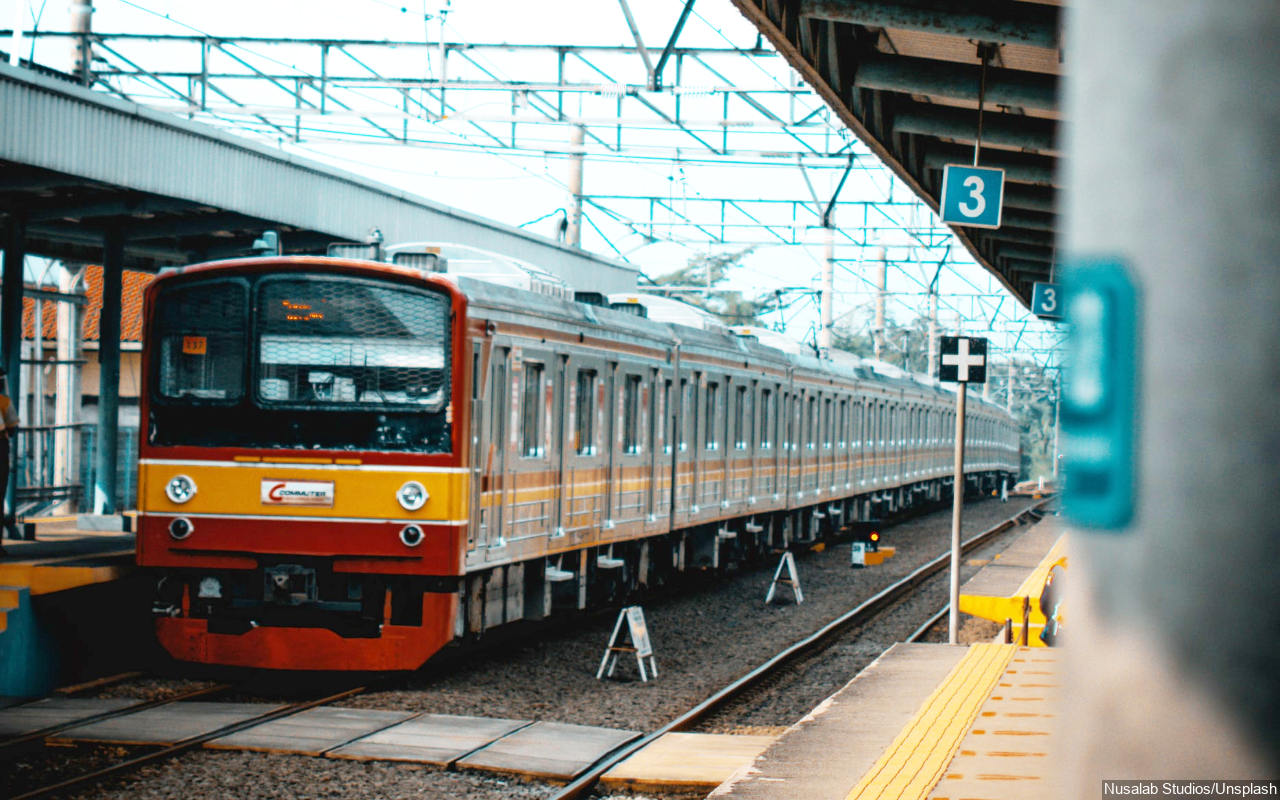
301 361
350 343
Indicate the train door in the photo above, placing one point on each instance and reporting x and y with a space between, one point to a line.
840 480
697 434
763 455
659 389
826 476
560 433
494 444
610 442
751 429
632 478
809 425
684 481
478 440
670 435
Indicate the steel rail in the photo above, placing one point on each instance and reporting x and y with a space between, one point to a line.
583 785
929 623
183 746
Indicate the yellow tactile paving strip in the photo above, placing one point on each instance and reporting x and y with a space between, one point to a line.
1008 755
917 758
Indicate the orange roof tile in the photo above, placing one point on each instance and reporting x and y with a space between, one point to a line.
131 313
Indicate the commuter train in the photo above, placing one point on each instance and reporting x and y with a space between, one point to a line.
348 464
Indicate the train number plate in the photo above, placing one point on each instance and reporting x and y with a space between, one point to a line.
278 492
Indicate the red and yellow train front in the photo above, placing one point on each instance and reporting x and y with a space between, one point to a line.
301 491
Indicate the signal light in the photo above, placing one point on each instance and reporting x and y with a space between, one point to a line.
874 540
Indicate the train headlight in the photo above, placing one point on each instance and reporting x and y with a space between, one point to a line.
411 535
180 528
412 496
180 489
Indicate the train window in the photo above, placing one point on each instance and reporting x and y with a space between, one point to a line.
329 341
666 417
688 414
842 434
766 414
741 421
811 423
531 412
857 424
584 411
200 331
828 421
709 427
631 415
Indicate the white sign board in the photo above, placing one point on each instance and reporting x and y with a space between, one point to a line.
793 579
281 492
640 645
639 633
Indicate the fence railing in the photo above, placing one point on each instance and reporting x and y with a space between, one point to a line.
55 465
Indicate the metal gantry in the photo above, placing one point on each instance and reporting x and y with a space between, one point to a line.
671 106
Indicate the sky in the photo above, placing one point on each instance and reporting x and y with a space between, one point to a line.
526 185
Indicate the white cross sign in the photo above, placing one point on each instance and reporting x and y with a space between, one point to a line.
964 359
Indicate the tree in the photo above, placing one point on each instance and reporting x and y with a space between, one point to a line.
711 270
905 346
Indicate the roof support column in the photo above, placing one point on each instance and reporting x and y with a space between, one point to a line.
104 473
15 255
1172 173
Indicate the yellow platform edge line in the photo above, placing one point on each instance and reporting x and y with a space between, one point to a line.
1034 582
998 609
912 765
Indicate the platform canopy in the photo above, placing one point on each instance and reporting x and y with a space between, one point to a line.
905 76
77 164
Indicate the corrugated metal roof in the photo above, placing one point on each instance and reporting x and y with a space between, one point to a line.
905 76
219 187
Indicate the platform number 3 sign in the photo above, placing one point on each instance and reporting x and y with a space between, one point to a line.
972 196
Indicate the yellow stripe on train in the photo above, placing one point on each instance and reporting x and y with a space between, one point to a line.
296 491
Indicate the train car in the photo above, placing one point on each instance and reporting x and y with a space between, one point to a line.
349 464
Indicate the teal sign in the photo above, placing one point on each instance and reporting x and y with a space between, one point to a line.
1046 301
972 196
1100 400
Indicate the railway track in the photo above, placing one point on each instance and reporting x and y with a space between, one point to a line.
753 683
824 637
190 743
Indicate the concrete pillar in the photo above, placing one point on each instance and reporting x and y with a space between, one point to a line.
933 333
827 298
81 45
1173 166
104 489
882 287
573 234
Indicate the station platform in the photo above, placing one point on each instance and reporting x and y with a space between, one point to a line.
57 593
923 721
936 721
